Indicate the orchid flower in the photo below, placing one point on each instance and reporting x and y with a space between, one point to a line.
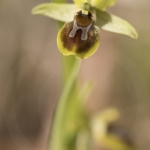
80 35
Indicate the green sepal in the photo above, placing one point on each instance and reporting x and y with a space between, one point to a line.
102 4
58 11
112 23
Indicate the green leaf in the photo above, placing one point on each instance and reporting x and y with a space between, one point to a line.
58 11
112 23
102 4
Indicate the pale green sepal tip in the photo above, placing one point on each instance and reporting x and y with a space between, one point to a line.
112 23
58 11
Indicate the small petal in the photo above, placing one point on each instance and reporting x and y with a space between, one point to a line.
79 37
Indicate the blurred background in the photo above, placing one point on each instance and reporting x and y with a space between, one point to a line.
30 74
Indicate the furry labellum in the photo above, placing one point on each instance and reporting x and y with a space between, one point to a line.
79 37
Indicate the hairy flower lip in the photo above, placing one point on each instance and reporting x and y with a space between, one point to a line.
75 45
79 37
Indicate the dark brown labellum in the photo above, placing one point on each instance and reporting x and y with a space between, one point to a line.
79 37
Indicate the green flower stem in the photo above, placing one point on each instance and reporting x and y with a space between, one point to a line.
68 63
57 137
70 71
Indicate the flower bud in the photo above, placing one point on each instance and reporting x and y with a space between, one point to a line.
79 37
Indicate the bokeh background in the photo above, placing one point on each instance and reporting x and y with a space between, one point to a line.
30 74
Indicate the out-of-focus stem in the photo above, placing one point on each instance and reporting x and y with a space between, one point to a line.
57 132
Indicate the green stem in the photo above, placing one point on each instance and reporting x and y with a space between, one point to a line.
70 71
68 63
57 130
